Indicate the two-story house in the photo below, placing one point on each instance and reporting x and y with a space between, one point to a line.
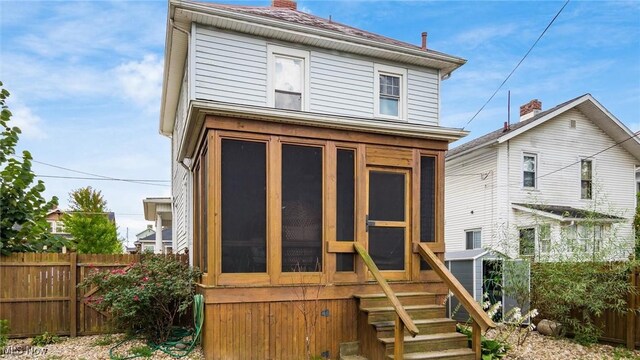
308 164
559 183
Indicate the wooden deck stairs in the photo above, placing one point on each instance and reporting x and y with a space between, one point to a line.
437 338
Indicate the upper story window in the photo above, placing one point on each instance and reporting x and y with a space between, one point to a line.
288 78
390 95
529 169
474 239
586 179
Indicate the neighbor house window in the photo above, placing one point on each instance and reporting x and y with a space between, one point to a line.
288 78
390 97
149 248
529 168
589 237
586 179
474 239
527 241
545 238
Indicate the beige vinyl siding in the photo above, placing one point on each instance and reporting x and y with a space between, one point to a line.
423 91
466 191
229 67
340 85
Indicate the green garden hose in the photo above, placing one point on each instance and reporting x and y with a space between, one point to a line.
175 346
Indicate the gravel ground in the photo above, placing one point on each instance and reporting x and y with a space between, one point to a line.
79 348
536 347
548 348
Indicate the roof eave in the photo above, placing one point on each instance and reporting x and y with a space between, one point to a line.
199 109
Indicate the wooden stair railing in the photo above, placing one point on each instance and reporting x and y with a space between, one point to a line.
402 317
480 320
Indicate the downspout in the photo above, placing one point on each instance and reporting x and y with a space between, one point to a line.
508 188
187 165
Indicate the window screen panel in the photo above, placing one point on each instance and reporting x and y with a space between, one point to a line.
244 206
301 208
427 203
386 196
386 247
345 202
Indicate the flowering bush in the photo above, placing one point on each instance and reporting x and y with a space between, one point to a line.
145 297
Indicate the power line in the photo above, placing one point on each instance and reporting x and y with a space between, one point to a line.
518 65
101 179
145 182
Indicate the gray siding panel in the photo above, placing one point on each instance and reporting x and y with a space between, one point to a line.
422 100
340 85
463 271
230 68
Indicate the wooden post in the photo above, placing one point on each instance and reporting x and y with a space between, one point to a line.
476 340
398 346
73 299
631 313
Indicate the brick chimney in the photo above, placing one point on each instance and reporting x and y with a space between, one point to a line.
530 109
286 4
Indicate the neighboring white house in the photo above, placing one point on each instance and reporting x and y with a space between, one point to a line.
558 178
159 210
146 241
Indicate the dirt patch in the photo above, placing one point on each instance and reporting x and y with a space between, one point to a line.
82 348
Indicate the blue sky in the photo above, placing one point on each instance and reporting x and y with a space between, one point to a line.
85 77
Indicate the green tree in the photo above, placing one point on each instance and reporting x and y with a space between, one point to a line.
88 223
23 209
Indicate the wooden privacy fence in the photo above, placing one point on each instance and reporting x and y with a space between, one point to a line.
622 328
38 292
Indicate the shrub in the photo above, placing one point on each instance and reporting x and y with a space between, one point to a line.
45 339
4 331
575 293
141 351
147 296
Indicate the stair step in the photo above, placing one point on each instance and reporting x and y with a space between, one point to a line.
406 298
432 342
426 327
457 354
416 312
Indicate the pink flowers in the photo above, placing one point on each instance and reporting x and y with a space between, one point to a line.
145 279
136 298
118 272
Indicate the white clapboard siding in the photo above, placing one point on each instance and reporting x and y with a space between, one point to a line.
468 191
559 148
230 68
179 177
423 92
340 85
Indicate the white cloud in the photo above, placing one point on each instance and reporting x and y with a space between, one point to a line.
481 35
29 123
141 81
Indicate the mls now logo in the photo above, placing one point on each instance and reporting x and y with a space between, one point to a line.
18 350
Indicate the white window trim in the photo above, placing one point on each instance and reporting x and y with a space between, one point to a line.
536 180
379 69
593 173
271 70
472 231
